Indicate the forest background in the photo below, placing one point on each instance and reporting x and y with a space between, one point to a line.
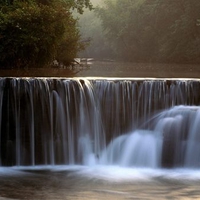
148 31
33 33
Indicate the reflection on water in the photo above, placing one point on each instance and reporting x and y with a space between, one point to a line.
110 69
98 183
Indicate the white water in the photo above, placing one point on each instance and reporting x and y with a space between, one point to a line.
108 173
144 148
125 123
141 148
100 140
99 182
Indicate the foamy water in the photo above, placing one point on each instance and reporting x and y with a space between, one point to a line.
98 182
109 173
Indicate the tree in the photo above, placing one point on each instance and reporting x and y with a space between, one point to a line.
181 41
153 30
32 33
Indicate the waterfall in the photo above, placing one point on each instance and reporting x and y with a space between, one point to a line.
1 99
131 123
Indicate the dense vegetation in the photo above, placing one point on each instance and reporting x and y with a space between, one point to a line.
150 30
35 32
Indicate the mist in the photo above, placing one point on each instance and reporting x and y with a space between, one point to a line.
142 31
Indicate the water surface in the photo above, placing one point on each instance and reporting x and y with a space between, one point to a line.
110 69
98 182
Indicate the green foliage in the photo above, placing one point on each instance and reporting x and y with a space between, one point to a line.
70 45
80 4
33 33
153 30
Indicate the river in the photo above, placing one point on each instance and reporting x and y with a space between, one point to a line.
110 69
96 183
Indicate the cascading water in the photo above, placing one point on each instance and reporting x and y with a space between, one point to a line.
131 123
172 141
43 120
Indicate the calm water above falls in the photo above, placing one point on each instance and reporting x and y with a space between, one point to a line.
99 139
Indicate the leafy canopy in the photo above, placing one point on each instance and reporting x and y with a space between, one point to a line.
35 32
153 30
